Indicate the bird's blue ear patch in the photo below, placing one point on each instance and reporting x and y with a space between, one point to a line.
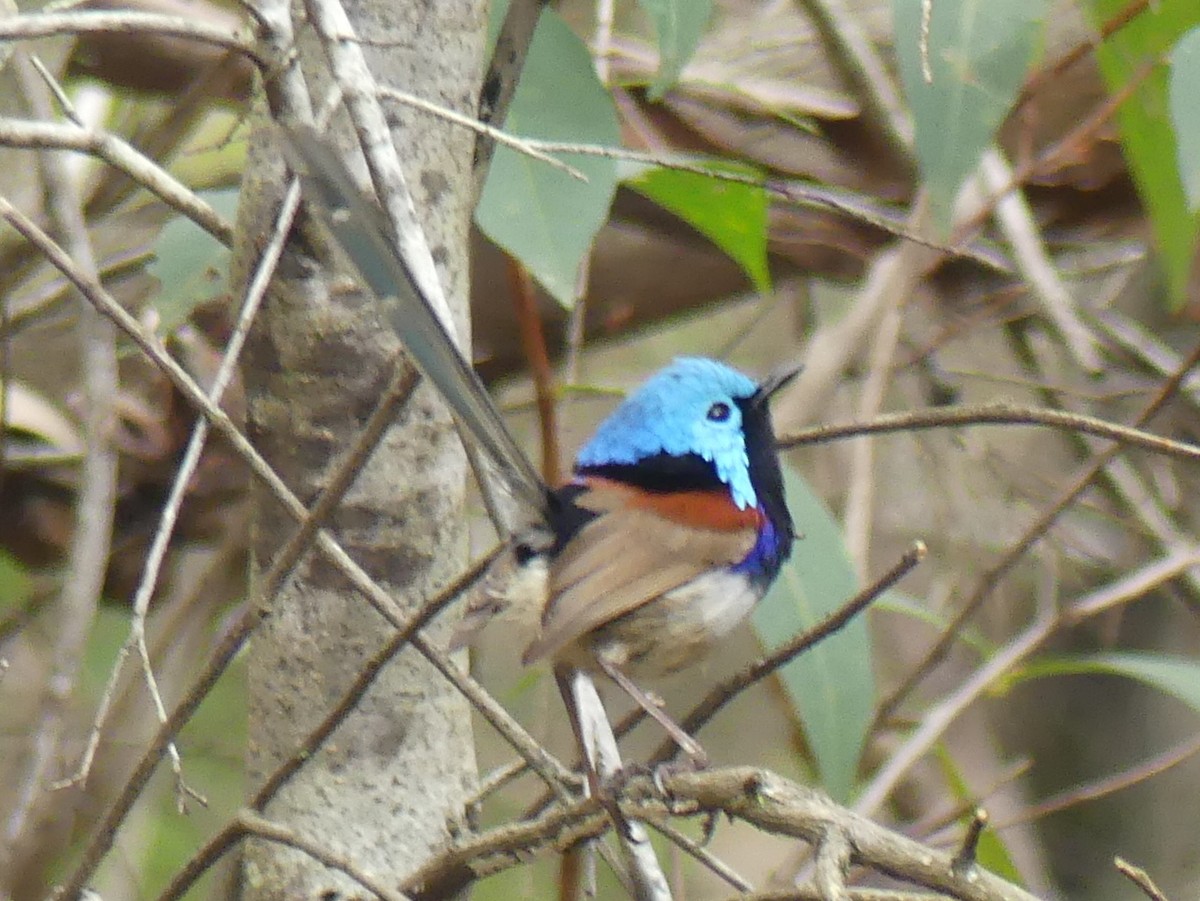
689 407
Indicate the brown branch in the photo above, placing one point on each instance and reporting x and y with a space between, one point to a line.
533 341
1049 74
251 824
759 797
1000 413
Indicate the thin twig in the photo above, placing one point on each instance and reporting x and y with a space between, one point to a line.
491 132
250 824
703 856
1049 75
999 413
1140 878
1103 787
253 824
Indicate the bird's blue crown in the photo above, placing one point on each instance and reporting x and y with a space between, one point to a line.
689 407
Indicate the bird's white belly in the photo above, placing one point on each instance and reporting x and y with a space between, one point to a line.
673 631
714 603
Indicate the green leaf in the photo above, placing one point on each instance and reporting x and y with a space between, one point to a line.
1176 676
15 584
189 263
1144 122
733 216
679 25
830 684
1185 112
979 52
544 217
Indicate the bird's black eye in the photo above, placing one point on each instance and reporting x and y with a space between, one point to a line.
718 412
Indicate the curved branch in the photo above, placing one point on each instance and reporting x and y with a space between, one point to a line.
1000 413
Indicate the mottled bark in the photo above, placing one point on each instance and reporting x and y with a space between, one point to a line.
383 787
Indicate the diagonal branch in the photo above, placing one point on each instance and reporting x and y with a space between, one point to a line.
121 156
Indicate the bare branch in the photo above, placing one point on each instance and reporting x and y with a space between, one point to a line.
1140 878
1107 785
757 796
490 132
937 719
120 155
250 824
1000 413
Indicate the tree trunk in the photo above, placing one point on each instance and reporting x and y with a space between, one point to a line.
383 787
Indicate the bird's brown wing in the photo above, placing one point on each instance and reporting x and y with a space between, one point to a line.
626 556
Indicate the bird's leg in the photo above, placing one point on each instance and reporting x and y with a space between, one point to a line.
686 743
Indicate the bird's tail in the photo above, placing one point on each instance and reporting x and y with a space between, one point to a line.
361 229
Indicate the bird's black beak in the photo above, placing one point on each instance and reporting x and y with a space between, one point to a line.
775 382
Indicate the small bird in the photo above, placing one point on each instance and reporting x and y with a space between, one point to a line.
674 523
